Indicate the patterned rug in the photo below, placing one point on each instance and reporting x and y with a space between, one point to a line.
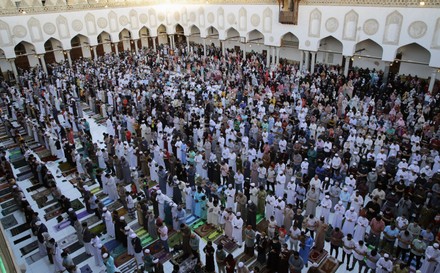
316 256
204 230
262 226
19 229
259 267
6 197
34 258
99 229
9 221
197 224
228 245
174 239
53 214
246 259
213 236
122 259
110 245
329 265
77 205
29 248
10 210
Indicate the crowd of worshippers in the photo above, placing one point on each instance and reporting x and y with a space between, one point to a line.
227 138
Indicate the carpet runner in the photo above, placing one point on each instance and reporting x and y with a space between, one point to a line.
246 259
9 221
74 247
6 197
81 258
35 258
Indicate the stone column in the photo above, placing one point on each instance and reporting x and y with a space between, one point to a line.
43 63
301 60
69 59
223 47
312 63
432 80
204 47
117 48
173 42
95 54
346 65
268 56
244 51
307 62
136 48
277 50
154 43
187 44
272 53
386 72
14 68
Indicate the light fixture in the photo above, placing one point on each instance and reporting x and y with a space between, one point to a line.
422 3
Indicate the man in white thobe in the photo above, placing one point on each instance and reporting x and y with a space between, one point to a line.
432 258
279 208
230 197
326 205
107 217
384 264
350 221
237 229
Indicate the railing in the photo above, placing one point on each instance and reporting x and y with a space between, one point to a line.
385 3
14 7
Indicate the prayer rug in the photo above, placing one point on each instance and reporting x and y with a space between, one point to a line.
122 212
259 267
91 220
155 247
74 247
29 248
76 204
10 210
129 267
147 240
174 239
24 175
53 214
19 229
186 264
81 258
9 221
86 269
65 166
246 259
49 158
5 191
52 208
63 243
47 203
5 197
24 238
260 218
262 226
40 194
20 163
316 256
213 236
66 223
197 224
163 256
204 230
110 245
329 265
135 226
190 219
115 205
101 195
119 250
98 229
34 187
4 186
228 245
122 259
35 257
95 190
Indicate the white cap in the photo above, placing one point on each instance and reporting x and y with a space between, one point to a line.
435 245
104 209
352 208
99 245
105 255
238 213
159 192
70 209
38 223
386 255
133 235
240 264
122 218
147 251
345 189
127 228
230 186
351 176
327 196
252 184
156 260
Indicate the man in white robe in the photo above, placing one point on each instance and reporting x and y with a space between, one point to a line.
384 264
279 209
230 197
237 229
326 205
432 258
107 217
350 221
